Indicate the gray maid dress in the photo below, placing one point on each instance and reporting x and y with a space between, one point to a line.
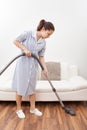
24 79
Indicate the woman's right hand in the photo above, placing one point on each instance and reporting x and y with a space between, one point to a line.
22 47
27 52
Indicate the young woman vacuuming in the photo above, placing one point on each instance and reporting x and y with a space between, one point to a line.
25 75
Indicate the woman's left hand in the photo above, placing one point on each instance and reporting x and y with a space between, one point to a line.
45 73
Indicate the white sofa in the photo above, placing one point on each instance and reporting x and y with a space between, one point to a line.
68 83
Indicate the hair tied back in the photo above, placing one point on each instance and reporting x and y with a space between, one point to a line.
44 21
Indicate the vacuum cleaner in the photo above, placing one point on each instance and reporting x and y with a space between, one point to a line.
68 110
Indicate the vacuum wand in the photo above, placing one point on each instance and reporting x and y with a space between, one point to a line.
67 109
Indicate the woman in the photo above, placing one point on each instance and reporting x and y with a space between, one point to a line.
24 80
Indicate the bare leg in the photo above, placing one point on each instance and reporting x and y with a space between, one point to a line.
32 99
18 101
34 110
19 112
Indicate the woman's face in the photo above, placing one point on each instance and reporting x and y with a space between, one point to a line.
46 33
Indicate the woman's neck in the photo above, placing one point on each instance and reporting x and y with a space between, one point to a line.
38 35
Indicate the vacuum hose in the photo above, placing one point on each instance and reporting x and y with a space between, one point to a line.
23 54
67 109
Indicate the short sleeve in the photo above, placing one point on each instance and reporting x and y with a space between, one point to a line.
22 37
42 52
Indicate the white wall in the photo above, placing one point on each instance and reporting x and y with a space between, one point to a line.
69 41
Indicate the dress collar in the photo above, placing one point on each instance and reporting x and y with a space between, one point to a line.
34 35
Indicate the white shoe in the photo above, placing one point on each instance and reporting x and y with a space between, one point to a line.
20 114
36 112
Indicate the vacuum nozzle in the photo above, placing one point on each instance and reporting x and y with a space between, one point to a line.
70 111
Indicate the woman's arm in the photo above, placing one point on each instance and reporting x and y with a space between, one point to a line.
22 47
42 60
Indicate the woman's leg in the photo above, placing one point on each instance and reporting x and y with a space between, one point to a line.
19 111
34 110
32 99
18 101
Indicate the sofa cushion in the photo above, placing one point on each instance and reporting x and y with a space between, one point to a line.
74 84
53 71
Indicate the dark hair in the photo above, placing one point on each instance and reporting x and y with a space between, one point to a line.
46 25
